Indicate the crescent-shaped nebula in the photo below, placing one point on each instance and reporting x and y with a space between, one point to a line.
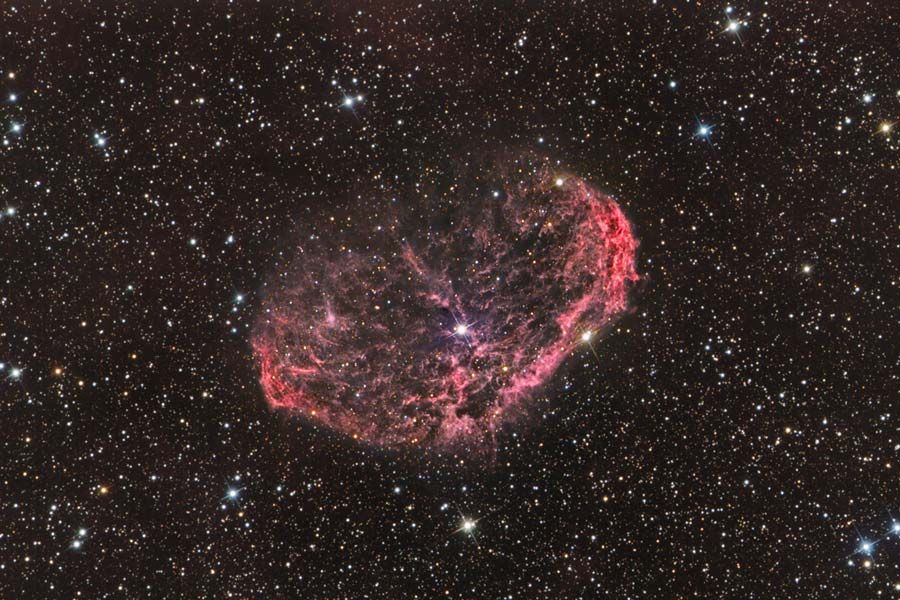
437 327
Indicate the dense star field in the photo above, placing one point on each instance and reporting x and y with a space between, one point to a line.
552 300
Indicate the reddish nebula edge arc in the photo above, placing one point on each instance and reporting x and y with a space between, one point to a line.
437 331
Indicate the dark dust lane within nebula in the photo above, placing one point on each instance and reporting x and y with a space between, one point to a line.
438 331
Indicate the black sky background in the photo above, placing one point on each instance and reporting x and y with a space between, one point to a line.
738 437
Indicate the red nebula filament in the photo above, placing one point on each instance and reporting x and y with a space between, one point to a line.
438 332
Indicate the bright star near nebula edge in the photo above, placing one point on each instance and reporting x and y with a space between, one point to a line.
544 300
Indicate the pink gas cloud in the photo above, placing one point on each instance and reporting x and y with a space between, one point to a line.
440 331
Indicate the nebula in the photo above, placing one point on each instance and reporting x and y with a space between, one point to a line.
438 327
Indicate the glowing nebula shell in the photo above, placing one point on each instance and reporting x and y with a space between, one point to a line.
438 328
